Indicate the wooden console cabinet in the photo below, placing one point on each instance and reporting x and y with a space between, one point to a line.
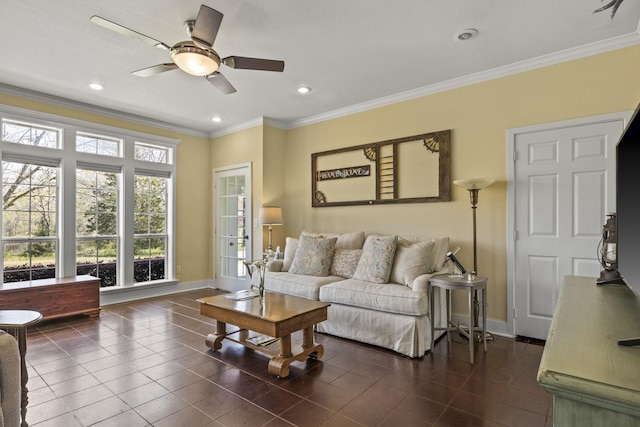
594 381
53 298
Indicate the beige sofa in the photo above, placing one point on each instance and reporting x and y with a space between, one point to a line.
377 285
10 388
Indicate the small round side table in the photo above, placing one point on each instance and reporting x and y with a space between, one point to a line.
16 323
464 283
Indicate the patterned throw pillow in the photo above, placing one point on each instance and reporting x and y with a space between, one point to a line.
345 262
313 256
377 259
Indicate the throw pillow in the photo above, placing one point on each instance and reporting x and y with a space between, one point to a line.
313 256
377 259
345 262
411 260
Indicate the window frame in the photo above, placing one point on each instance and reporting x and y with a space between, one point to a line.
71 160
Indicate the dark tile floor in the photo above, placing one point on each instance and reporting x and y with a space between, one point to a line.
146 364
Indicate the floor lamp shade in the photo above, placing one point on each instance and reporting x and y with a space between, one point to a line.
270 215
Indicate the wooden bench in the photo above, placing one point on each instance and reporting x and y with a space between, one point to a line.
53 298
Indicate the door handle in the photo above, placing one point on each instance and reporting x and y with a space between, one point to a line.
230 243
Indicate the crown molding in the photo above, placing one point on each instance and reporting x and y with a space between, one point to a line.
518 67
83 106
495 73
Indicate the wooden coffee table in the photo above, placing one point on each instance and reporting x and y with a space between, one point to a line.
278 317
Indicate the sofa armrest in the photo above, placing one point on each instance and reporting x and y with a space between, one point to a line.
275 265
10 388
421 283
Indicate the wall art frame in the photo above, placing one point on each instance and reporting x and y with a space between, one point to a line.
412 169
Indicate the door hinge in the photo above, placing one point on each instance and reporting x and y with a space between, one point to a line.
515 156
515 235
514 313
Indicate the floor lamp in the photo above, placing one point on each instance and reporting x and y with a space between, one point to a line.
474 186
270 215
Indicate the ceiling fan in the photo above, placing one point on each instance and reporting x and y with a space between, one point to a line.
196 56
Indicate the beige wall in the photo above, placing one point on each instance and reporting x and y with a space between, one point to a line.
479 117
242 147
193 186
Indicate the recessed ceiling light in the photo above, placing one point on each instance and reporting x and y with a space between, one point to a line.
466 34
96 86
216 119
303 90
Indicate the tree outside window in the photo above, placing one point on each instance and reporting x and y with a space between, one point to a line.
97 225
29 196
150 228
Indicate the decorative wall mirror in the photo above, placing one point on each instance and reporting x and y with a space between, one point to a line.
414 169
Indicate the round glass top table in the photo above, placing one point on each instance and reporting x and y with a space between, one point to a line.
16 323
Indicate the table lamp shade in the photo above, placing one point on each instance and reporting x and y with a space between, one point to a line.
270 215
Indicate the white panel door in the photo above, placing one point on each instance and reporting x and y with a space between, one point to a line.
233 227
564 187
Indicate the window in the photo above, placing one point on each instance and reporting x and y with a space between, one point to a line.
151 153
29 240
29 134
150 228
97 195
86 143
101 203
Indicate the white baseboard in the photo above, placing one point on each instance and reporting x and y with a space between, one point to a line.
133 293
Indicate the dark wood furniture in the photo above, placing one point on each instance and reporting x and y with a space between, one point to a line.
16 323
278 317
66 296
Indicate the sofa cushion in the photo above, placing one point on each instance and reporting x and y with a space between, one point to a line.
297 284
411 260
353 240
388 297
313 256
345 262
290 247
377 259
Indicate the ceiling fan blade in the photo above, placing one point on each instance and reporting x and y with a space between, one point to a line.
127 32
220 82
156 69
206 27
244 63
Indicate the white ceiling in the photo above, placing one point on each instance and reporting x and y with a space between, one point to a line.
354 54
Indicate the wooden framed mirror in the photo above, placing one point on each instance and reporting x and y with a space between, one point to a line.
413 169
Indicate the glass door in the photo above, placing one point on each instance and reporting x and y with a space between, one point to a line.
233 227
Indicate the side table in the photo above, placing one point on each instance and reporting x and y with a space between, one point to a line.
16 323
463 283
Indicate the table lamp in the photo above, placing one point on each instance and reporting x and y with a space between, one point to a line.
270 215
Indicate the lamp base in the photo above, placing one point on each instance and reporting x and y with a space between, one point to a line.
477 335
609 277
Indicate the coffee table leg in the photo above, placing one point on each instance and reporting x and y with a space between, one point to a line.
214 341
279 365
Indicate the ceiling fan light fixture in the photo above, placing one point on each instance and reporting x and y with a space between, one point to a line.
193 60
